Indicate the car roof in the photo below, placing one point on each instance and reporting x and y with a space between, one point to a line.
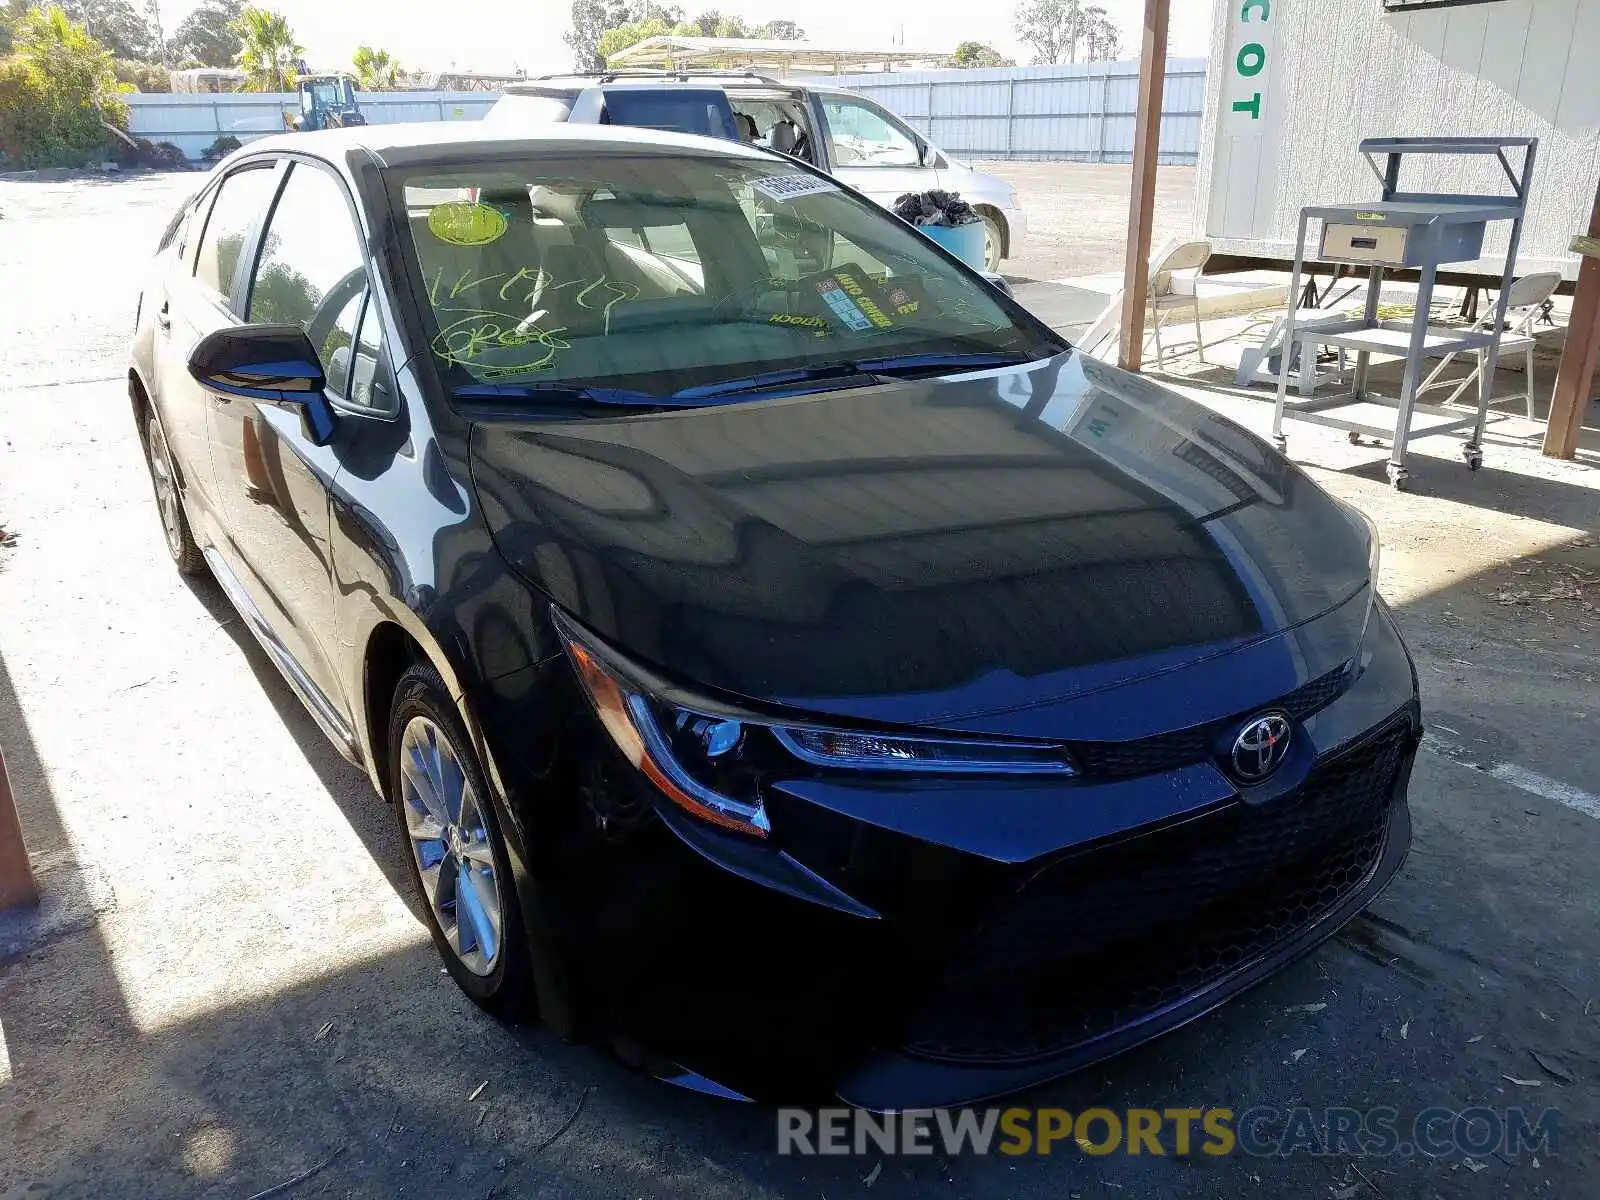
443 141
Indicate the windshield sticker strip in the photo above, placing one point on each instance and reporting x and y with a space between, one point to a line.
791 187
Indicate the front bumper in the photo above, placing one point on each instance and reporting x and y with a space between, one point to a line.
996 1026
863 956
1016 226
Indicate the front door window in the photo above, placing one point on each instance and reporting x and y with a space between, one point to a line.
860 135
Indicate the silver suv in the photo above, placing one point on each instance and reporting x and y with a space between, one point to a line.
854 139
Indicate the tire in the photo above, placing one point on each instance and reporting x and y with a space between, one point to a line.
994 241
489 962
175 529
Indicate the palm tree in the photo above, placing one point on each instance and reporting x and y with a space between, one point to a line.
268 53
376 70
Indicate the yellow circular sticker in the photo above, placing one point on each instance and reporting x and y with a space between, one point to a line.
463 223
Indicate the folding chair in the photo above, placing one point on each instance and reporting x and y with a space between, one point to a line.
1525 302
1168 294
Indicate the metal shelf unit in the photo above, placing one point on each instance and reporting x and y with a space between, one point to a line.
1405 231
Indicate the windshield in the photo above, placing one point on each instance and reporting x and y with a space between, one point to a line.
653 275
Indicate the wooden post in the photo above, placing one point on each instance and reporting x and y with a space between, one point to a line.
17 888
1141 204
1575 376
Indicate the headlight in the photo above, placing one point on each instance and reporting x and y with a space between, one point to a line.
885 752
715 762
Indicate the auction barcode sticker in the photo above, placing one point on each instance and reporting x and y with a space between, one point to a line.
791 187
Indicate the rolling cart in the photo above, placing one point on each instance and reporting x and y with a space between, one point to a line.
1405 231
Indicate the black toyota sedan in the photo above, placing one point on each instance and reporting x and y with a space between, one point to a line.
787 660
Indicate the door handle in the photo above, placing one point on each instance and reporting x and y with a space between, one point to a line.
164 316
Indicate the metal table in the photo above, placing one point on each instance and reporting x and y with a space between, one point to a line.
1405 231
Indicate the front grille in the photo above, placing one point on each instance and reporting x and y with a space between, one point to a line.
1168 751
1099 941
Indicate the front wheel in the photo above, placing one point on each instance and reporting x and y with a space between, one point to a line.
180 541
456 851
993 243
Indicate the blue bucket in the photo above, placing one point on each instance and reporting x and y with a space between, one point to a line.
964 241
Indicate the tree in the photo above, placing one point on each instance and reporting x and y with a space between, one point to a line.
614 40
976 54
117 26
10 16
1102 41
780 31
376 70
590 20
713 23
268 53
152 10
58 93
142 76
206 35
1052 27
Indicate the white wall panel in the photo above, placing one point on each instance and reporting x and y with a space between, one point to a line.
1348 71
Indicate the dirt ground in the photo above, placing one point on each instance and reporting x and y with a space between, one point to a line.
1078 215
228 991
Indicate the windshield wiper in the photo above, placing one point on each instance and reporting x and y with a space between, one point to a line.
866 370
776 380
561 393
939 364
853 373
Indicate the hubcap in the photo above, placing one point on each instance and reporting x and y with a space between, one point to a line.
166 490
450 842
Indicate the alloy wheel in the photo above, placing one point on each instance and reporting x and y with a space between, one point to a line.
166 486
450 841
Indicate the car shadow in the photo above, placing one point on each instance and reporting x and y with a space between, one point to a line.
367 812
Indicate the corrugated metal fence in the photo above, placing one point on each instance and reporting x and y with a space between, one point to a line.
1078 111
193 122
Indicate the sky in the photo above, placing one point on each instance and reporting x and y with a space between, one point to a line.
499 35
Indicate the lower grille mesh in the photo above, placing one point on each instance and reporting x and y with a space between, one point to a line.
1100 941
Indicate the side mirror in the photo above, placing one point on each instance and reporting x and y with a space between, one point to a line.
999 282
270 364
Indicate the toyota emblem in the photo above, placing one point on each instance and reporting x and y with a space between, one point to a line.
1260 747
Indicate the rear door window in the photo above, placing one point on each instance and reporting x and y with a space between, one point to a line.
239 203
681 110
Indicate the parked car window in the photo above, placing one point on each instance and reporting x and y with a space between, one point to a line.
309 272
655 274
859 135
239 202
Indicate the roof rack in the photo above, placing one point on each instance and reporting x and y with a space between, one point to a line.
611 76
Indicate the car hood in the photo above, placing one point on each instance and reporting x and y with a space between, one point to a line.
993 552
